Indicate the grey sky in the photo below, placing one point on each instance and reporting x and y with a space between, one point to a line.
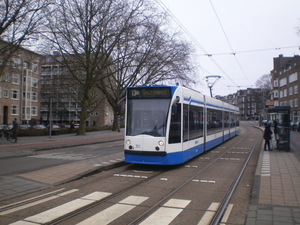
256 31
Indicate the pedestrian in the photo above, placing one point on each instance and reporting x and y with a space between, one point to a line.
72 126
268 136
15 129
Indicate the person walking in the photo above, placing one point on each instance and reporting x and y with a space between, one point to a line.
15 129
268 136
72 126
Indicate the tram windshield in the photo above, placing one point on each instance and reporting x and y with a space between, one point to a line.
147 116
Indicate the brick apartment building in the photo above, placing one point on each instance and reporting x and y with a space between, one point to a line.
285 84
20 88
61 100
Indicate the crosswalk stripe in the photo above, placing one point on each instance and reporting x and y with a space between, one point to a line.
166 213
39 196
108 215
59 211
209 214
36 202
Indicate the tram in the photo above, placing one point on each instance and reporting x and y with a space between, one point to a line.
169 125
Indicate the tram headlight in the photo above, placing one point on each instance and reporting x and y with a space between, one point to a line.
128 142
161 143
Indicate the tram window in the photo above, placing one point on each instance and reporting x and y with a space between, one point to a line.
226 120
192 122
175 125
144 118
214 121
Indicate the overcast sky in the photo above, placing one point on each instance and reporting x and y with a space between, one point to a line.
255 30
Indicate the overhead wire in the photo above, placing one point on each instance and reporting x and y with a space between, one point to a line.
228 40
161 4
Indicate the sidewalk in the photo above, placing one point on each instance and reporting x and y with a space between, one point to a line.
276 190
13 186
29 145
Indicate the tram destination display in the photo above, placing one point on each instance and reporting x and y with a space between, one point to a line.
155 92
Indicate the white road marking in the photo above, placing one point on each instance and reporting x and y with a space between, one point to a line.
266 170
166 213
226 215
209 214
29 199
130 176
108 215
59 211
36 202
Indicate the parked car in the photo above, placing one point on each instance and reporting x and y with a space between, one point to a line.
264 122
76 125
24 127
8 127
39 126
2 126
294 126
55 129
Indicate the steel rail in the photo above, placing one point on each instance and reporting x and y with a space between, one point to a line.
154 207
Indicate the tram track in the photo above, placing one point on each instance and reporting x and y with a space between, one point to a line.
223 205
234 144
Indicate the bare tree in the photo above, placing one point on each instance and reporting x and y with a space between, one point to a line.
20 22
112 44
264 82
146 55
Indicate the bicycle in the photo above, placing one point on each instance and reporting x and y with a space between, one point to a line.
11 137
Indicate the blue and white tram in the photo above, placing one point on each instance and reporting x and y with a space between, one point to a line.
168 125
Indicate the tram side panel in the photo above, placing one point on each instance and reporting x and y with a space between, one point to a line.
192 124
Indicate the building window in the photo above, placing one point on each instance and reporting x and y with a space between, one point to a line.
15 94
291 91
275 94
34 96
291 103
29 81
293 77
35 82
285 92
35 67
16 79
296 89
5 93
96 114
14 110
33 111
5 77
25 65
282 82
296 102
275 83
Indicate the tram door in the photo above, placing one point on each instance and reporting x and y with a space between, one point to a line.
282 115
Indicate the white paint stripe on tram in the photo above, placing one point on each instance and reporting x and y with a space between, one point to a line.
37 202
166 213
59 211
108 215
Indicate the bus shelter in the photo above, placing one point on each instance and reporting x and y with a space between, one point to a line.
281 116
